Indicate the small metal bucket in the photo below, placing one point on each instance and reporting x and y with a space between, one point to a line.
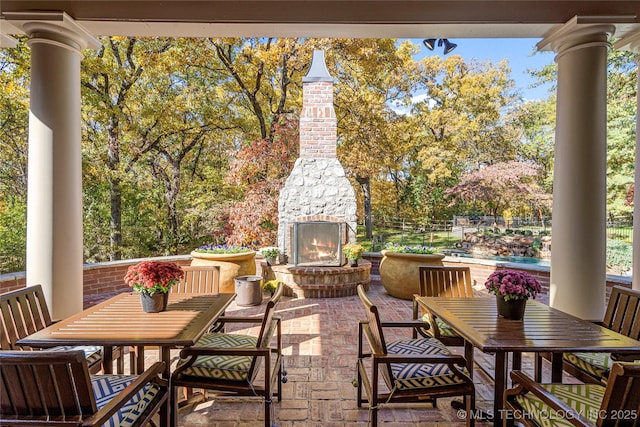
248 290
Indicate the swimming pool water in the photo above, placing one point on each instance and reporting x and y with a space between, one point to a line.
516 259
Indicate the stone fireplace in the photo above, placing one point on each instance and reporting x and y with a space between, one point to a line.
317 243
318 188
317 205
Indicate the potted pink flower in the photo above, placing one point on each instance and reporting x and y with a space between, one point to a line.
512 289
153 280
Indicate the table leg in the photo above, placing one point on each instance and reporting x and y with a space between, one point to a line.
107 360
167 408
139 350
468 355
556 367
500 383
516 363
538 367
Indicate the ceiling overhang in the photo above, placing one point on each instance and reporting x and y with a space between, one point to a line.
328 18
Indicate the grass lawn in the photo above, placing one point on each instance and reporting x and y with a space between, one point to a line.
382 236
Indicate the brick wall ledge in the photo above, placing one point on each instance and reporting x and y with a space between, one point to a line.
98 278
106 278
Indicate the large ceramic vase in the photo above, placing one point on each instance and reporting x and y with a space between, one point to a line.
512 309
400 274
231 266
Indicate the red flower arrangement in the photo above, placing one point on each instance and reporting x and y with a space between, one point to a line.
513 284
153 276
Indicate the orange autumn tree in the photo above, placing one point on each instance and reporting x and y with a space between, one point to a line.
261 168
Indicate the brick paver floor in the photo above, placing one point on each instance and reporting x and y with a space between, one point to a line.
320 347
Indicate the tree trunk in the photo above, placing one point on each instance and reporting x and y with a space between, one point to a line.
365 183
115 192
115 235
171 196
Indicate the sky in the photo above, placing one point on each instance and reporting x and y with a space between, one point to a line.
517 51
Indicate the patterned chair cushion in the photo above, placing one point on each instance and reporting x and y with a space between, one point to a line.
420 375
443 327
106 387
583 398
93 354
234 368
595 364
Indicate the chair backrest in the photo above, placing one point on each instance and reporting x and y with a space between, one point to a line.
374 334
451 282
373 329
623 312
38 385
199 279
621 400
23 312
266 328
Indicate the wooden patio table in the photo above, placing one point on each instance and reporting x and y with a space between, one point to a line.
120 321
543 329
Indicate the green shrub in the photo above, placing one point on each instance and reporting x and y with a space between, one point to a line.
411 249
536 245
222 249
619 256
13 244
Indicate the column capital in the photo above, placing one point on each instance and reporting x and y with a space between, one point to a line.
55 26
581 31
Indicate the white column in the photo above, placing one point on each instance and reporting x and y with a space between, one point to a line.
578 251
636 195
631 42
54 198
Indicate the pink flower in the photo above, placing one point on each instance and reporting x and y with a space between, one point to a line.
153 276
513 284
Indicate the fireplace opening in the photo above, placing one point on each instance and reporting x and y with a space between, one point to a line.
317 243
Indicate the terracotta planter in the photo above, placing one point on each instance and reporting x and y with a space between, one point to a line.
400 274
231 266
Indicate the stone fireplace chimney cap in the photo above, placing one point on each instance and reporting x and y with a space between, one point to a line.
318 71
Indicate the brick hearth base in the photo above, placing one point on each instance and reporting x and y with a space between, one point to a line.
320 282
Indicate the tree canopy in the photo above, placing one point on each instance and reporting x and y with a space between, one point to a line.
504 185
188 141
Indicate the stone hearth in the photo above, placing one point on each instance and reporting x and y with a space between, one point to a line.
320 282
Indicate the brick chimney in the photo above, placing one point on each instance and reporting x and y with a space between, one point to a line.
318 188
318 135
